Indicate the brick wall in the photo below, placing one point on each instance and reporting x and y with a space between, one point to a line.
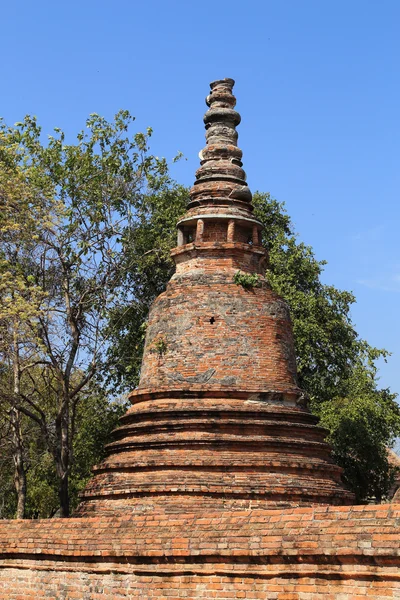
341 553
112 585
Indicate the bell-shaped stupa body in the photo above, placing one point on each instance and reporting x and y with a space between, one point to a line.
218 418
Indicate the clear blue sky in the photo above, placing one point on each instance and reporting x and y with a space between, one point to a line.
318 87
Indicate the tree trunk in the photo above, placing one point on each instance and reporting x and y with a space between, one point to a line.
63 493
63 456
63 483
18 448
19 466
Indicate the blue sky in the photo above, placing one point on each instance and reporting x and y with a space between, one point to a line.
318 88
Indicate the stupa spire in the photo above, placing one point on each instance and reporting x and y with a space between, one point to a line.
221 178
219 224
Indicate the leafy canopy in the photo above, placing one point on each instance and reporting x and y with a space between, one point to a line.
64 209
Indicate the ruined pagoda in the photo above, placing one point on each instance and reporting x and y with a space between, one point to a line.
218 417
218 483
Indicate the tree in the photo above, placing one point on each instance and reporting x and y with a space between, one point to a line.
331 357
362 425
24 210
336 367
95 420
88 194
327 345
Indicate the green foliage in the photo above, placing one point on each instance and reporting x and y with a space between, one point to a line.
160 346
95 420
8 498
64 211
42 486
246 280
327 346
361 427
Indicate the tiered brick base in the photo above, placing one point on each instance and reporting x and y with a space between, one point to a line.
226 449
320 553
218 417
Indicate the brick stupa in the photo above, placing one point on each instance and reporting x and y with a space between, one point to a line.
218 417
218 483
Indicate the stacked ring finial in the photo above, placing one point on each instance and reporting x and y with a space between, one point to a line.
221 180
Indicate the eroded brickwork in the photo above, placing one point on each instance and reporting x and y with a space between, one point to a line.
210 328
